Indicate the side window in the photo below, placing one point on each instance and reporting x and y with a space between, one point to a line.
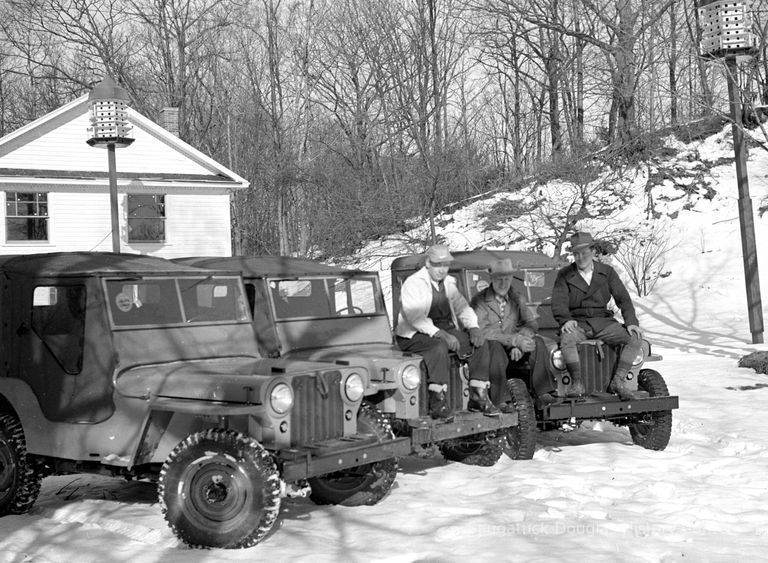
146 218
58 319
26 216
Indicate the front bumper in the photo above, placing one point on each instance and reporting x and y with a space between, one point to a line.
424 430
334 455
604 406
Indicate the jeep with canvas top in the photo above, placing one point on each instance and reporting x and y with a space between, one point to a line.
309 310
649 419
141 368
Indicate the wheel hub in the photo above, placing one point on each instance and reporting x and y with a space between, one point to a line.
216 491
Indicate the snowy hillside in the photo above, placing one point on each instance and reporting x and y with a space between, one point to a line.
587 494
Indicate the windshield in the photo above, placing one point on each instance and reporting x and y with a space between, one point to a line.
173 301
326 297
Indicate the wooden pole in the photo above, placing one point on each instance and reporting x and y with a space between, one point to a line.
746 216
113 197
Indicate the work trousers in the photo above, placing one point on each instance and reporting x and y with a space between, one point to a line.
436 357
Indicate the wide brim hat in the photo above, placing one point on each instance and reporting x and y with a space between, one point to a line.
439 253
502 268
581 240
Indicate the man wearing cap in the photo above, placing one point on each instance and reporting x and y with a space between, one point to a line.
580 300
511 328
432 315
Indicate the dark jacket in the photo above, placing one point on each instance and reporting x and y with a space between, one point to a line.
572 299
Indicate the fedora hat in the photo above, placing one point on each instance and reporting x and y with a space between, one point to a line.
502 268
439 253
581 240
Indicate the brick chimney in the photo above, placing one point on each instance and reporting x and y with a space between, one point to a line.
169 120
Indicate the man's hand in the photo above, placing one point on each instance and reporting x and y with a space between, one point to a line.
515 354
476 337
569 326
524 343
450 340
635 330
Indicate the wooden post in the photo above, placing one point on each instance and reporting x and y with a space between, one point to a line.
746 216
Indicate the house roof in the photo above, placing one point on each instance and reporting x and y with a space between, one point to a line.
52 151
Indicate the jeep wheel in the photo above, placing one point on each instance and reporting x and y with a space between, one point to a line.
219 488
19 482
478 449
365 484
654 433
520 440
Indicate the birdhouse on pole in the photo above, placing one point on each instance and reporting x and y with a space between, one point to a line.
108 105
726 28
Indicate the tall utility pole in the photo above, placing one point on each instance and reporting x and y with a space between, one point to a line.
726 34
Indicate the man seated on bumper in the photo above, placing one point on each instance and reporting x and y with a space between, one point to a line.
431 308
580 300
511 328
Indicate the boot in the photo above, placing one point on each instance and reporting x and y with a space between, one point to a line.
576 387
624 389
438 408
479 400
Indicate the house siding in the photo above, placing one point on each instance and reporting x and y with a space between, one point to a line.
196 225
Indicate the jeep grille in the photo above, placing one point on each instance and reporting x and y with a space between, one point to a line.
597 366
318 409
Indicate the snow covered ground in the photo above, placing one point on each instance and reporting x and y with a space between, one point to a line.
588 494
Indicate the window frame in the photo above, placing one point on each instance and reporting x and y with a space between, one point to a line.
11 198
159 201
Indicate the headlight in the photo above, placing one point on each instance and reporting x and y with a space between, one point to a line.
411 377
354 387
558 360
281 398
640 358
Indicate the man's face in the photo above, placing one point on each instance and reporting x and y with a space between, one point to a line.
584 257
438 270
501 284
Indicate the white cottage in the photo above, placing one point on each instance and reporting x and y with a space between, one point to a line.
172 199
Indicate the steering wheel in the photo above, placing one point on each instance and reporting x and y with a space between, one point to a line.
351 310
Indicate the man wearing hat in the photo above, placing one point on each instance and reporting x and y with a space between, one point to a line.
510 327
580 299
432 315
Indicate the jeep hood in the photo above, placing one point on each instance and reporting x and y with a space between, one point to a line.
236 379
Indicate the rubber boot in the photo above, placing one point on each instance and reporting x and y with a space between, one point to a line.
624 385
479 400
438 407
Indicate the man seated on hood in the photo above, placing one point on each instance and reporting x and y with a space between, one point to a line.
435 320
511 328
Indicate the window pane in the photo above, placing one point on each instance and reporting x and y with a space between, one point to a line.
146 230
152 206
213 299
27 229
148 302
58 318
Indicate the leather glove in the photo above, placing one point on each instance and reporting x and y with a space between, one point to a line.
451 341
476 337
